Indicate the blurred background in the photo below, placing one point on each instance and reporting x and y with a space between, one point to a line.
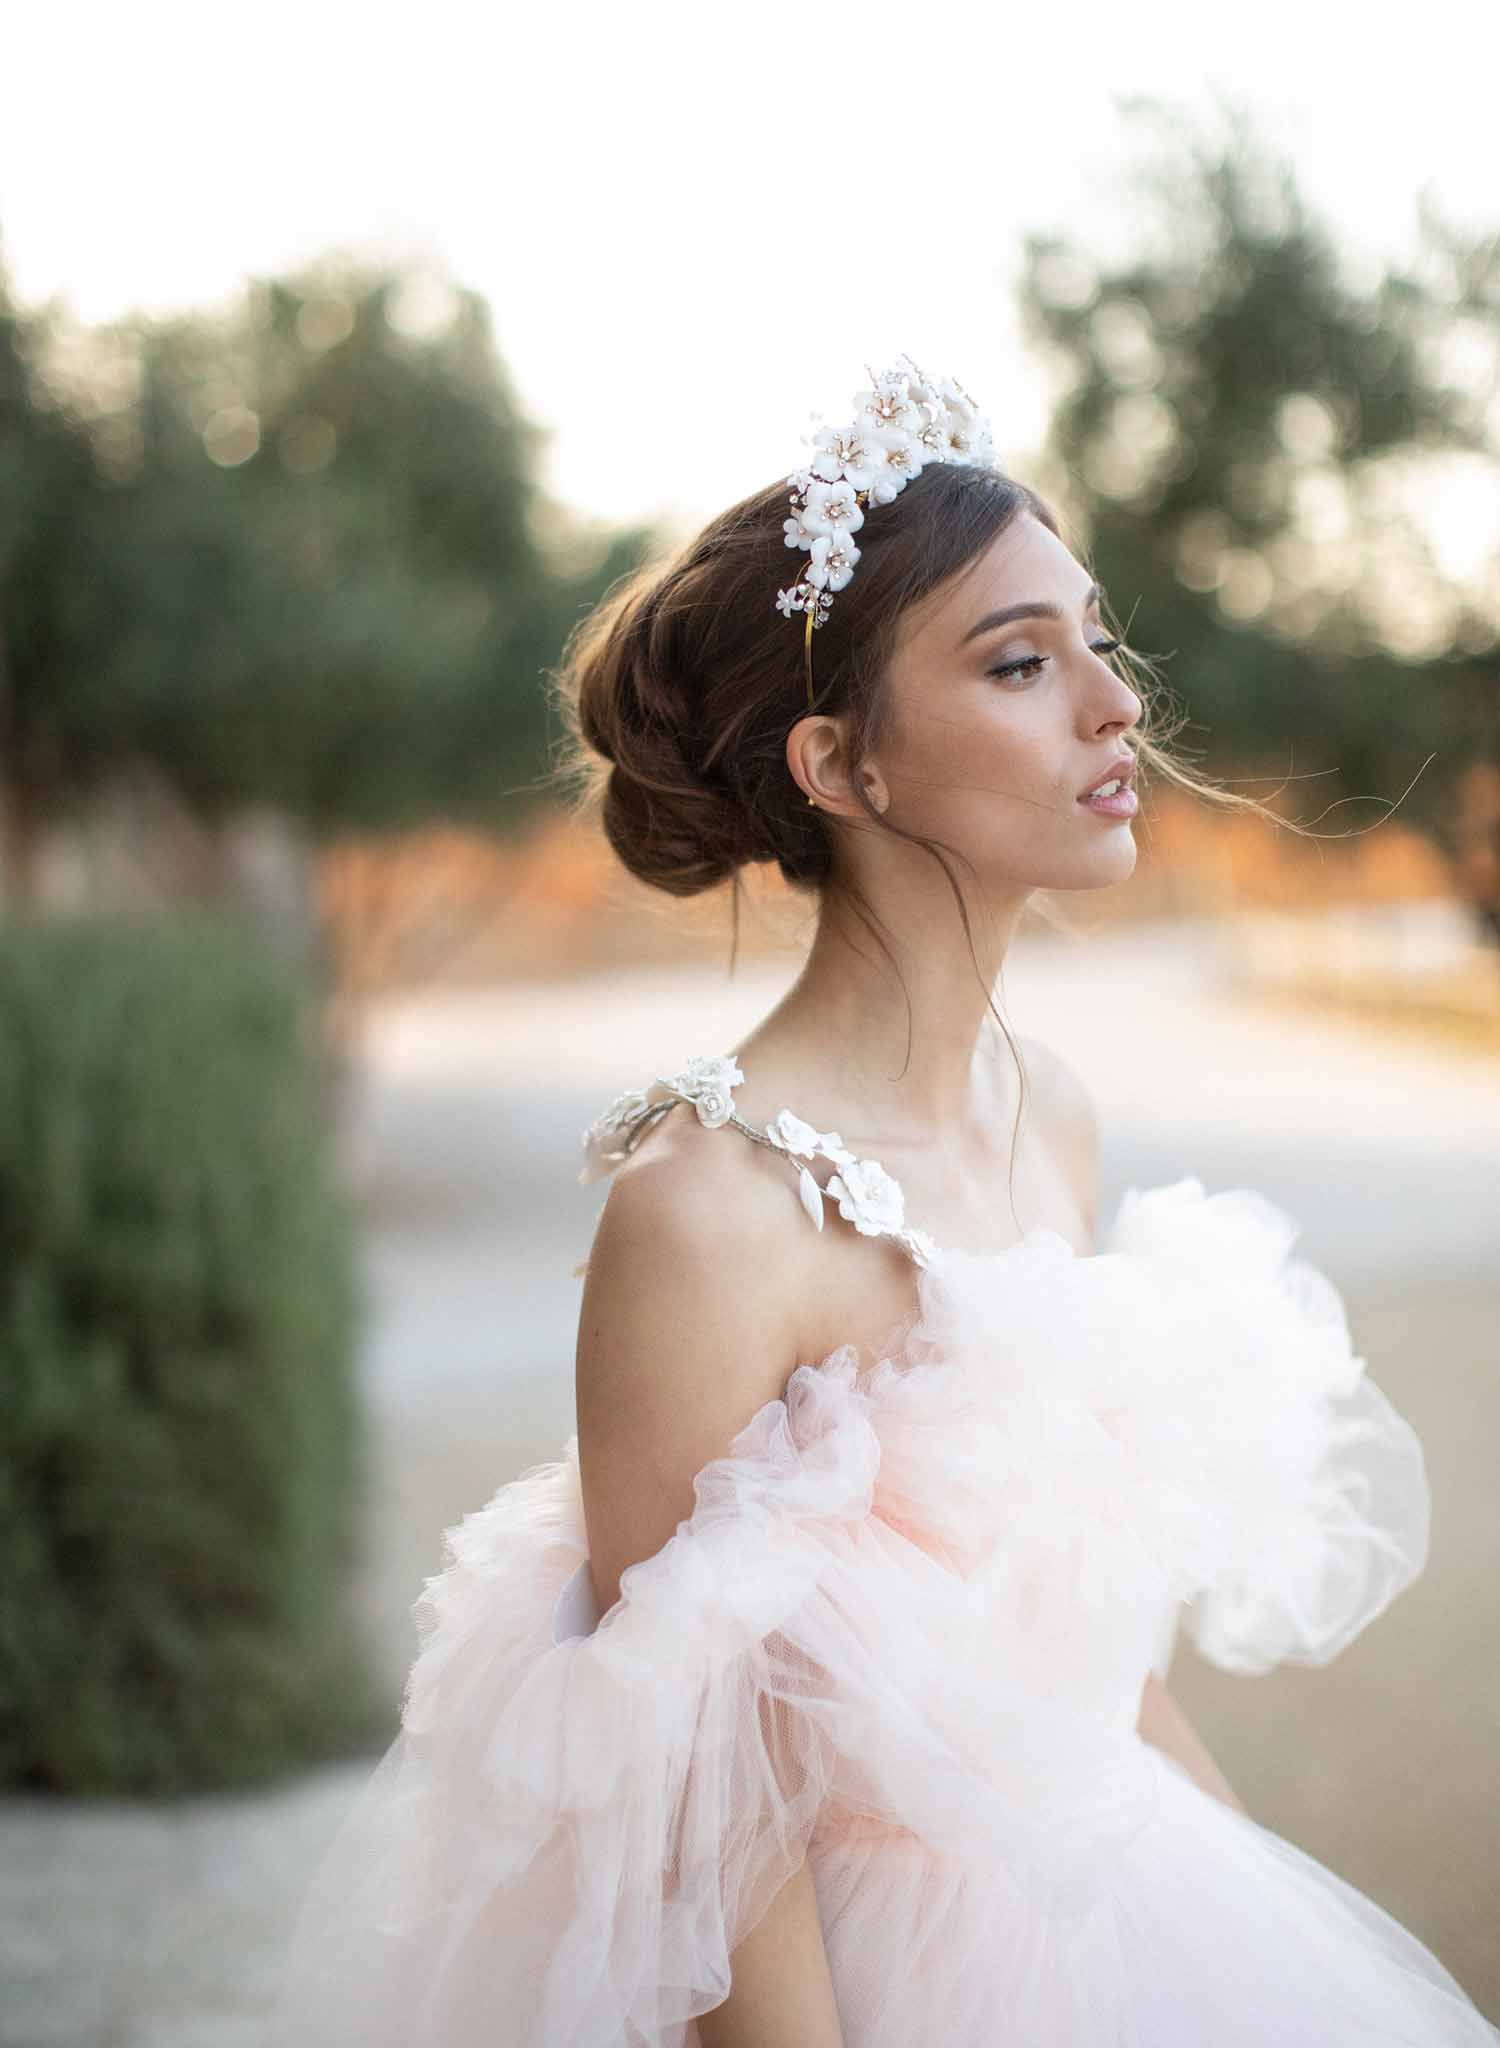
345 359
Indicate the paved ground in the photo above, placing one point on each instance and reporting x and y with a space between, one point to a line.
132 1927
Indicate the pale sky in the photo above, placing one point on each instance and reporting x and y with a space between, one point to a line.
695 224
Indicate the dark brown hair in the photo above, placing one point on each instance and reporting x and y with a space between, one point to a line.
679 690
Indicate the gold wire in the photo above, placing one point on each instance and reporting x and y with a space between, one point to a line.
807 647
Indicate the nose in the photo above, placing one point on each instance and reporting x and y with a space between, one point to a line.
1124 706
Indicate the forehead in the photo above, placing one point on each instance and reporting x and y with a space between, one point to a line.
1025 563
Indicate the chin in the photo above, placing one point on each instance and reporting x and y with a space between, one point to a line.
1107 866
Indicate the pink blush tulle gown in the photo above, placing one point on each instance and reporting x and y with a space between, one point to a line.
903 1634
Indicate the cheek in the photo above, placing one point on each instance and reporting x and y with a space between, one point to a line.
1010 775
976 753
1008 750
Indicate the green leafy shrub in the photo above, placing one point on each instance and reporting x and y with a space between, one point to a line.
181 1446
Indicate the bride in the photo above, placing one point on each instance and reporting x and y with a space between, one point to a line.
812 1697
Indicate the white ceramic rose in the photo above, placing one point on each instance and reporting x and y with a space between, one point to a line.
708 1083
868 1197
793 1135
920 1243
603 1141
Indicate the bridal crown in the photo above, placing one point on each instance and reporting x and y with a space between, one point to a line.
903 422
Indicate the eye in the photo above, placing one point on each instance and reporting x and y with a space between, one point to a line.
1036 661
1016 668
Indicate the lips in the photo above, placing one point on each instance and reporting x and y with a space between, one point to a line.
1121 769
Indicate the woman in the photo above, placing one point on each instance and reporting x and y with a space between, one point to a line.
813 1695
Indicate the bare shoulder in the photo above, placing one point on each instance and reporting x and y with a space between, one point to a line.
1070 1120
688 1326
707 1207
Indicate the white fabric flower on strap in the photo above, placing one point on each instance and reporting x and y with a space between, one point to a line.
793 1135
869 1198
606 1141
866 1194
790 1134
707 1082
920 1243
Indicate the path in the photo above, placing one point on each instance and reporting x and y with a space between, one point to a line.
123 1926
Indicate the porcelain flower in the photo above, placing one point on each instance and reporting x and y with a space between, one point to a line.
845 454
799 1138
793 1135
899 457
920 1243
954 399
968 443
707 1082
903 421
604 1142
831 561
891 403
831 508
868 1197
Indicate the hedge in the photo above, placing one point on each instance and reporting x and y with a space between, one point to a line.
182 1452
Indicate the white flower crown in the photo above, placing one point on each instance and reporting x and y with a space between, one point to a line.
904 422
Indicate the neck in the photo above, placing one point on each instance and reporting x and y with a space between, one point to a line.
920 1073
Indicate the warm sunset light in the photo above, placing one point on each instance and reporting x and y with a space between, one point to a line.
681 213
749 1025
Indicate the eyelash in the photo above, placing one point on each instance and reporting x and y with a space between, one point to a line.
1011 668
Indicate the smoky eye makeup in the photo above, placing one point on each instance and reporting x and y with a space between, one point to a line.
1021 666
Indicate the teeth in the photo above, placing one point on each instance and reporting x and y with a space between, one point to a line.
1106 788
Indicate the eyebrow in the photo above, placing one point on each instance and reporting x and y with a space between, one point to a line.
1034 610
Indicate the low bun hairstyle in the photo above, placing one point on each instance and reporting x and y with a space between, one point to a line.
678 691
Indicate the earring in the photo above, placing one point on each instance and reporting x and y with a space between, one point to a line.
812 800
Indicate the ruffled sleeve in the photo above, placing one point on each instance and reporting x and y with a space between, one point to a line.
1314 1488
580 1820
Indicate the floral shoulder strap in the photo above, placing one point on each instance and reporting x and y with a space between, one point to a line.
867 1196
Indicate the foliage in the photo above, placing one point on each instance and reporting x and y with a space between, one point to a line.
1247 434
181 1446
290 554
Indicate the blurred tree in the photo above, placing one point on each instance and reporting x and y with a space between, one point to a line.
46 481
293 556
1266 457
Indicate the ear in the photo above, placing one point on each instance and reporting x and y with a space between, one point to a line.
816 759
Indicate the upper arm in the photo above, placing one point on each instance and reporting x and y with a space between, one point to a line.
685 1331
1072 1121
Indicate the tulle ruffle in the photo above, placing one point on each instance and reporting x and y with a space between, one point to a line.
902 1635
1323 1505
575 1830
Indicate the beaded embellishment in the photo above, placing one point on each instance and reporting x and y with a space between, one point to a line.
866 1195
